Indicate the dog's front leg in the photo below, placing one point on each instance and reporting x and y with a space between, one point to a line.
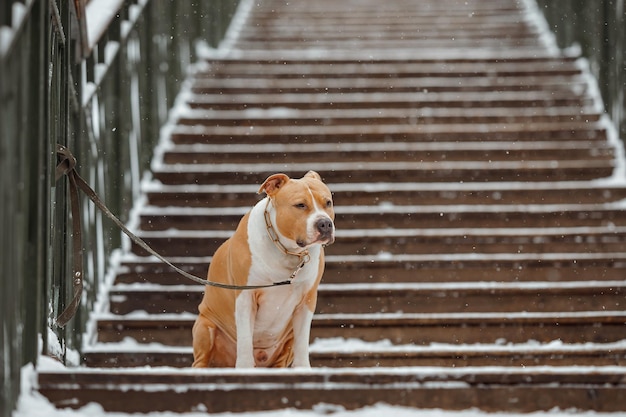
245 313
301 334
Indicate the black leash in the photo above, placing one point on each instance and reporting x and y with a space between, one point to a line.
67 166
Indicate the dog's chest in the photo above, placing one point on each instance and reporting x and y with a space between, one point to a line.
275 310
276 306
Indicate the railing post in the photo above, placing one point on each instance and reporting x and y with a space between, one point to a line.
106 101
25 177
598 27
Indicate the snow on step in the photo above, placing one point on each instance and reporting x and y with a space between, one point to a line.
428 87
448 171
432 132
402 297
401 328
388 148
338 352
307 117
420 241
385 193
438 268
387 100
398 67
609 212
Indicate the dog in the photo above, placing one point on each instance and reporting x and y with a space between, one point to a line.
281 238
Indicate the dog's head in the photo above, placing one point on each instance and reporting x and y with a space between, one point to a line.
302 209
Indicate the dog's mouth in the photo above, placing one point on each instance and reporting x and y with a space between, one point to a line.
325 239
321 232
328 240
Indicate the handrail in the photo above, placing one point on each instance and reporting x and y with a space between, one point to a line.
99 87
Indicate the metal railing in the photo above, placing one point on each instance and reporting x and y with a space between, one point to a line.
102 86
599 28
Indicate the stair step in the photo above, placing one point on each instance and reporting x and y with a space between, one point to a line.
500 267
216 391
426 194
522 355
444 132
419 241
559 86
467 216
417 44
396 69
338 353
397 152
464 43
420 329
389 23
405 298
465 35
458 101
384 21
280 116
449 171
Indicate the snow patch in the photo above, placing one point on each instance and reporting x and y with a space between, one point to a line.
226 46
6 37
57 352
536 18
99 14
19 13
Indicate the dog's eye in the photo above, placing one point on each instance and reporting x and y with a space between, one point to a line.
300 206
329 203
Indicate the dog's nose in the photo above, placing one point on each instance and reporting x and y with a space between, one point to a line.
325 226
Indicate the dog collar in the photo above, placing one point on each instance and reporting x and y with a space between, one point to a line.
303 256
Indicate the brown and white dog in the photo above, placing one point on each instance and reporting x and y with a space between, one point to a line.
280 239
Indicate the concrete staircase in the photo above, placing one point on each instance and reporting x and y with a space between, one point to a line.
480 253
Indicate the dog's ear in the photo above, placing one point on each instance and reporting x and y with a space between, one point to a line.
313 174
273 183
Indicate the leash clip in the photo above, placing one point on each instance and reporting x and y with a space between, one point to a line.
304 259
